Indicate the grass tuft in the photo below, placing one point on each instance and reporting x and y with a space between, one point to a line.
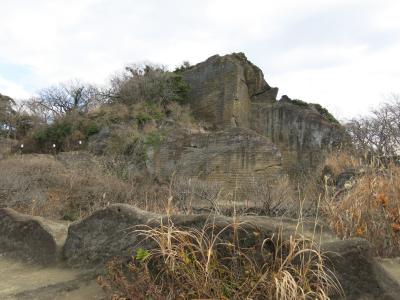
220 263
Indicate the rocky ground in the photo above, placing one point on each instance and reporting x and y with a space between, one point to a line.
57 267
23 281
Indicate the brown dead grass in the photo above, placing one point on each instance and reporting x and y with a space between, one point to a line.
210 263
368 207
42 185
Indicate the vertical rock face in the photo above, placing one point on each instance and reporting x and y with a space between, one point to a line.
229 91
300 133
223 87
227 156
253 135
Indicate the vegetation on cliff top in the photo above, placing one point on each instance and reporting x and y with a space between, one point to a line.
316 107
140 100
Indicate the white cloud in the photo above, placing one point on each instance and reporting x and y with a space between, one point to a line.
10 88
341 53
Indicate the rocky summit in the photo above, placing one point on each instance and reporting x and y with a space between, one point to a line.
249 132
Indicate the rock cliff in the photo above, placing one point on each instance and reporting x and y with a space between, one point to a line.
228 156
223 87
230 92
301 134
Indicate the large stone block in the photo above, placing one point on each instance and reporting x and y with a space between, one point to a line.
222 88
230 156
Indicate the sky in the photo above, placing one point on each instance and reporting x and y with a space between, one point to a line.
344 55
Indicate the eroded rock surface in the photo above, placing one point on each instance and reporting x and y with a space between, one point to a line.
31 238
229 91
110 232
301 134
230 156
222 88
360 274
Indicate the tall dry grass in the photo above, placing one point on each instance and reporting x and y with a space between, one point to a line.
43 185
368 205
216 263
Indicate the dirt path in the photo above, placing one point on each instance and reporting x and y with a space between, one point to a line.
26 281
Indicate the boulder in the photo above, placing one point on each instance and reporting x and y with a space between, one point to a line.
360 274
110 232
105 234
31 238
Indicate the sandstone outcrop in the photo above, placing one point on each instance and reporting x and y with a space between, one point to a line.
300 133
223 87
247 132
226 156
31 238
110 232
254 134
229 91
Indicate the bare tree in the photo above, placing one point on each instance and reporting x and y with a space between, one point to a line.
58 100
378 133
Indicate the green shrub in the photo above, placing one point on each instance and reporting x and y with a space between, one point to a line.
183 67
154 138
143 117
300 103
92 129
40 135
325 113
179 87
317 107
149 83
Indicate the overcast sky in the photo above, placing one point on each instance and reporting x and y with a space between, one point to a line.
342 54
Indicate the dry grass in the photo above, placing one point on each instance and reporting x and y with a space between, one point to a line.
42 185
211 263
369 206
342 160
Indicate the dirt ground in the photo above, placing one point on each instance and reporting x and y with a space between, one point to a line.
24 281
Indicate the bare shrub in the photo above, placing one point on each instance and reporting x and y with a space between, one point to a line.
148 83
192 194
58 100
271 197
